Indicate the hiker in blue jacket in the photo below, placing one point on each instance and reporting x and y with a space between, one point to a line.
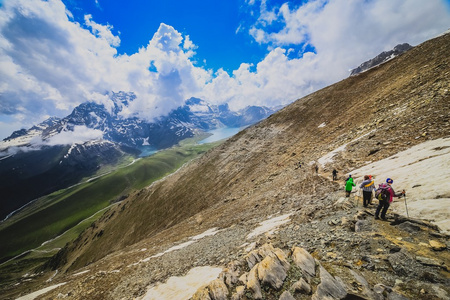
368 185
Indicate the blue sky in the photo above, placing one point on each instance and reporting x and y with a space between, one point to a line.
219 28
56 54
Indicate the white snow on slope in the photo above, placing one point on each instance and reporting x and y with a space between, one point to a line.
192 240
270 225
181 288
424 172
40 292
328 158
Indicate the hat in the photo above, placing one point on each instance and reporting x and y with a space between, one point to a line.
389 180
370 176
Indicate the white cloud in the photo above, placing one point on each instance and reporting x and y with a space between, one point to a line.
79 135
104 32
49 64
342 33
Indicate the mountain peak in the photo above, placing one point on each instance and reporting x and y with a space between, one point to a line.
381 58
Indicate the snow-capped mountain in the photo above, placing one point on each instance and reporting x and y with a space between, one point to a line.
186 121
58 153
381 58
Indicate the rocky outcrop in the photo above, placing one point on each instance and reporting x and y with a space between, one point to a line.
381 58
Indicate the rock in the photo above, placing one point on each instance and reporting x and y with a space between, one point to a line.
252 258
286 296
230 274
218 290
271 272
302 287
305 261
253 282
429 262
395 296
329 287
366 291
243 278
409 227
437 246
240 290
402 263
201 294
362 225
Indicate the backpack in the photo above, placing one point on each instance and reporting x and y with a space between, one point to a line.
382 192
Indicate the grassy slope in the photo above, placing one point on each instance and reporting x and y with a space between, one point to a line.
56 213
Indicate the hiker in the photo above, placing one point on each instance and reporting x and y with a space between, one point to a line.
371 195
388 190
334 174
349 184
317 168
368 185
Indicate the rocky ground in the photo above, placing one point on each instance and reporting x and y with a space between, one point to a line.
353 257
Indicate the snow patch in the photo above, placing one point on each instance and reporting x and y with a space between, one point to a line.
328 158
81 273
181 288
322 125
40 292
193 239
424 172
269 226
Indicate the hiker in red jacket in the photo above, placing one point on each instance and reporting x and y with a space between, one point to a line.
385 203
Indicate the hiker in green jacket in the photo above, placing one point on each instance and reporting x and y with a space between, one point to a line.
349 184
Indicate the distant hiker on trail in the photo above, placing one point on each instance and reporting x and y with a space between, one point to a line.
316 167
334 174
349 184
385 193
368 185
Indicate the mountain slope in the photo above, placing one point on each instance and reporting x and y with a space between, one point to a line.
255 175
397 105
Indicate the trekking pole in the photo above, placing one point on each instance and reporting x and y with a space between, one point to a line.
404 195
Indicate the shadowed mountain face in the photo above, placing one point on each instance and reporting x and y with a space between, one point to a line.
376 114
269 169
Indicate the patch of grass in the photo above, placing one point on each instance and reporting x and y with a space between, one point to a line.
55 214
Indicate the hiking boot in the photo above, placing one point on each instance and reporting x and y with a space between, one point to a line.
384 219
377 218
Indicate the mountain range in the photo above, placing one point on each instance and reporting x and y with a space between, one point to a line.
37 158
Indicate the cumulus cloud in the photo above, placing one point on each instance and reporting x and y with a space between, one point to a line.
340 34
50 63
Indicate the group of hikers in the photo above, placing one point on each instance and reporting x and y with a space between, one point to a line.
384 193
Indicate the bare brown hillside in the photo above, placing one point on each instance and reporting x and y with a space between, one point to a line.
255 175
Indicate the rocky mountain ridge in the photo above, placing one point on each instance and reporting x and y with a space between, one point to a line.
266 174
186 121
381 58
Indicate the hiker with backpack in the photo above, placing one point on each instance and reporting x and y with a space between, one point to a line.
334 174
349 184
385 194
368 185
